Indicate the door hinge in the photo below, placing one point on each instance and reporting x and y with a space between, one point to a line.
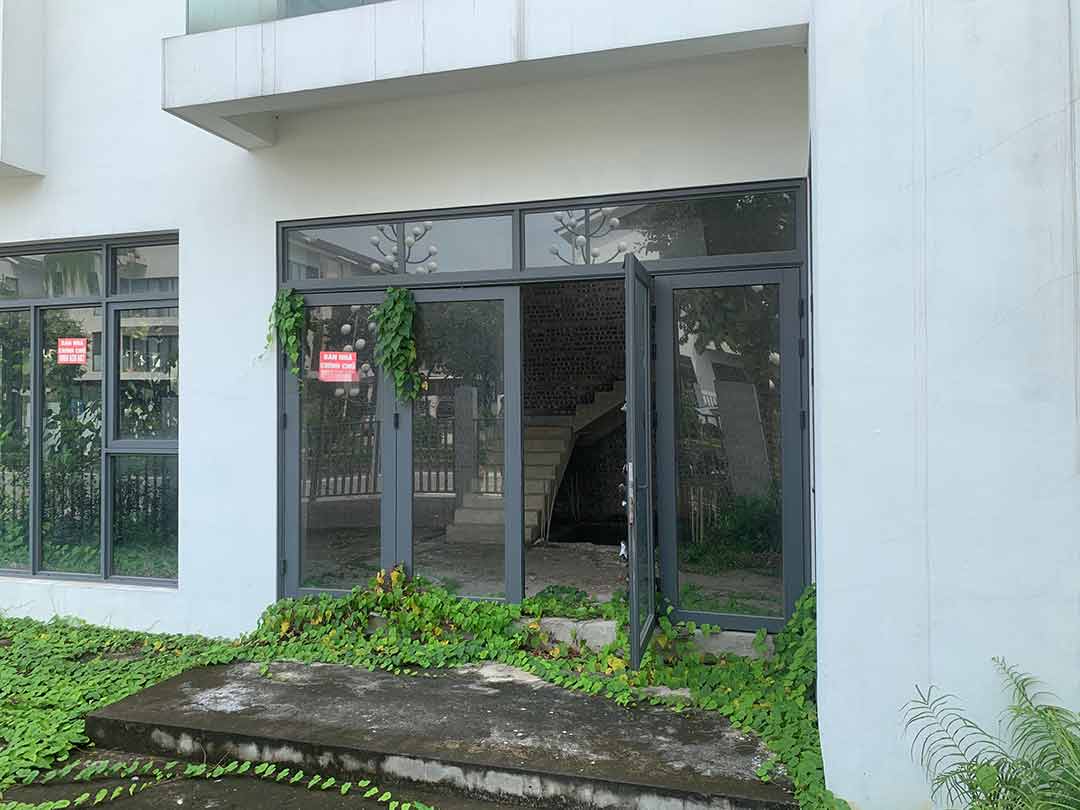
802 419
397 420
802 307
284 566
284 420
802 347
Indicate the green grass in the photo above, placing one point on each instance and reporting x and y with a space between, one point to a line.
52 674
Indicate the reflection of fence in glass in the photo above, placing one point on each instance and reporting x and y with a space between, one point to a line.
342 460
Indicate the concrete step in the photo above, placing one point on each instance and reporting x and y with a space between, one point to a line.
547 432
474 501
535 459
545 445
569 750
463 516
535 502
545 473
538 486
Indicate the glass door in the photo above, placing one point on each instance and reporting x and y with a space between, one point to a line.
461 445
434 484
639 457
730 445
338 456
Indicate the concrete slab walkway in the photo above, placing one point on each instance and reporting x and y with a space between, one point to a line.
485 730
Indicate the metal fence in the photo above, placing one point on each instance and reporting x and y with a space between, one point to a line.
345 459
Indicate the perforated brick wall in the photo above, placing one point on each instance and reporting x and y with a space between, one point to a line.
575 337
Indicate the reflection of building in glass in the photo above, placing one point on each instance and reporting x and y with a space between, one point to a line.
726 402
51 275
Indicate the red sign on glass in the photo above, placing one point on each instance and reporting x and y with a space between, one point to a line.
337 367
71 351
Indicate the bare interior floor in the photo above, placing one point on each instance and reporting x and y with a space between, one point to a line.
344 559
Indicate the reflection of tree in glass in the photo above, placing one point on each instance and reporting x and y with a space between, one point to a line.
143 411
747 321
14 440
463 341
746 223
71 442
68 274
339 421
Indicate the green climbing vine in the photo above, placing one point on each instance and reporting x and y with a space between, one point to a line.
52 674
147 774
287 325
395 346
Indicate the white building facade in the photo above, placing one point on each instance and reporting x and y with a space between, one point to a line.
910 175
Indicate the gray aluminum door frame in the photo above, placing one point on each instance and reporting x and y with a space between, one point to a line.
290 564
794 567
395 441
640 487
513 447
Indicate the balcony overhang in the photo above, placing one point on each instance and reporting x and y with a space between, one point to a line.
236 82
22 88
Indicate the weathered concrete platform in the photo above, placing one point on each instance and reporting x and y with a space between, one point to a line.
487 730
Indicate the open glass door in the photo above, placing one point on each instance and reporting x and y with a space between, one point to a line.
639 465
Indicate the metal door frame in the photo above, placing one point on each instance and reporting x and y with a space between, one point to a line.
640 481
792 416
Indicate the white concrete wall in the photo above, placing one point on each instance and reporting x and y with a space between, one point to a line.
946 342
118 163
232 81
22 108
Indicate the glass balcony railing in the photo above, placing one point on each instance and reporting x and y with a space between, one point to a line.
210 15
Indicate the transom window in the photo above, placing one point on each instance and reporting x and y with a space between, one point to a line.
89 416
537 238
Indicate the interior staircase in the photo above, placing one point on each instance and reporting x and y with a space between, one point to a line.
549 443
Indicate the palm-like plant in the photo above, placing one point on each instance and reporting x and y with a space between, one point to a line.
1035 767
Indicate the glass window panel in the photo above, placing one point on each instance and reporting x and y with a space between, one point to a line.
728 450
149 389
147 270
459 514
15 440
554 238
666 229
71 441
340 455
355 251
51 275
759 222
144 518
453 245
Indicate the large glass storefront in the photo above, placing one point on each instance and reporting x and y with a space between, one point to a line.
510 475
89 370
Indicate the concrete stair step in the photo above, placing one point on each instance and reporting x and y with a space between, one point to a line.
545 445
475 501
535 502
569 751
544 473
547 432
537 486
535 459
